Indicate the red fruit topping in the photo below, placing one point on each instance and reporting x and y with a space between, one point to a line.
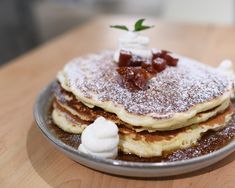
135 71
147 65
171 61
124 58
136 61
133 78
159 64
126 72
157 53
141 78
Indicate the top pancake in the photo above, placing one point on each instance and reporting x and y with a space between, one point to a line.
173 96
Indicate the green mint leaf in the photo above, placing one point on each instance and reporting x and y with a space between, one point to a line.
122 27
137 27
138 24
140 27
144 28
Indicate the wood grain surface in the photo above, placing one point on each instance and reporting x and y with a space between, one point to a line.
28 160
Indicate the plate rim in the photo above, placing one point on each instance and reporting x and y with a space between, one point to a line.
38 116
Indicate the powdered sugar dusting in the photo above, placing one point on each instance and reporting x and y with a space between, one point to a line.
176 89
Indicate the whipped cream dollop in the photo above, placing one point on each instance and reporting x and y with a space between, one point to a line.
100 139
226 68
135 43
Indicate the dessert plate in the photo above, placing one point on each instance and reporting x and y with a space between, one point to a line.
118 167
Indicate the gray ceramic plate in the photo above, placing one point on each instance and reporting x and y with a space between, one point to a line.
117 167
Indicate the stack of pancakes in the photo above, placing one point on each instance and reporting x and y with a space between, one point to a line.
180 104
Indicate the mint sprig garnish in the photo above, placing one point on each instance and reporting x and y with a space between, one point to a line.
122 27
138 26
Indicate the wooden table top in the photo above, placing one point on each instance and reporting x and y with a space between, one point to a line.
28 160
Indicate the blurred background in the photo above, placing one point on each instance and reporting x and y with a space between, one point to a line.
25 24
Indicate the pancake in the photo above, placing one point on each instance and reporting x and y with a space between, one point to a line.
155 144
67 123
68 101
172 99
145 144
